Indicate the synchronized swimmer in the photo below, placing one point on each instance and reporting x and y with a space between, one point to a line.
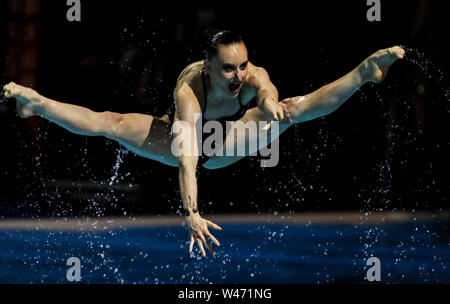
218 88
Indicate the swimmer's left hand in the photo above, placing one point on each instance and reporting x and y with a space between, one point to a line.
277 111
198 230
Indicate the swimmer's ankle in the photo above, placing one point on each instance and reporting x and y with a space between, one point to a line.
364 72
40 106
34 105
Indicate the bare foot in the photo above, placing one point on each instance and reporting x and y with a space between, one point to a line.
28 100
376 66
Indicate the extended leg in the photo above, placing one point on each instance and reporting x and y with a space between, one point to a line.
321 102
145 135
330 97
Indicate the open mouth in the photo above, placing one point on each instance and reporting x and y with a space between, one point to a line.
234 87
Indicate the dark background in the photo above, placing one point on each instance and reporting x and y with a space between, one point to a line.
386 148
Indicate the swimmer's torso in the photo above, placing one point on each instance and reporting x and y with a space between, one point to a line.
216 109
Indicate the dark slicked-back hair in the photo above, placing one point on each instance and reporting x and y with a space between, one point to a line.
215 38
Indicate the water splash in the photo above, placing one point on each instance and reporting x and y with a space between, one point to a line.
430 69
423 61
2 96
120 153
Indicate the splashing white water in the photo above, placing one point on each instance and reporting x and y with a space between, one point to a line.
120 153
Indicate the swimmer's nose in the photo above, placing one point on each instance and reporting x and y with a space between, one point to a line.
239 76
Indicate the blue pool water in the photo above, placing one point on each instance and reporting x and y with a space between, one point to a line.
417 252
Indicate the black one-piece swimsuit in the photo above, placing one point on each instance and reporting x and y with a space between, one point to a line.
236 116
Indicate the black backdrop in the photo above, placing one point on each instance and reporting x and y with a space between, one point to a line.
385 149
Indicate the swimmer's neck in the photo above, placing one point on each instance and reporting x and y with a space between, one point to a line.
217 96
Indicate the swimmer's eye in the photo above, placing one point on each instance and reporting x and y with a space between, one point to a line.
244 65
228 68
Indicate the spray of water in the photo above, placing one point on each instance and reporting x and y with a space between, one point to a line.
120 153
432 71
2 95
372 237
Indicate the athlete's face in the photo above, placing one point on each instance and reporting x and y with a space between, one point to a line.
228 69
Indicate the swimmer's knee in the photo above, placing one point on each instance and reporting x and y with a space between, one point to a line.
295 106
113 124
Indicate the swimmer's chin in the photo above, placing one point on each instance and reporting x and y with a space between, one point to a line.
234 93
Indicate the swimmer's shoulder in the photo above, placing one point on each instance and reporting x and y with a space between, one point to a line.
255 74
191 73
188 87
190 76
256 77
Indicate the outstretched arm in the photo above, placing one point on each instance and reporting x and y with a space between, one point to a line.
267 97
186 107
330 97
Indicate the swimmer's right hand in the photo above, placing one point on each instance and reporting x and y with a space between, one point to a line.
198 229
274 110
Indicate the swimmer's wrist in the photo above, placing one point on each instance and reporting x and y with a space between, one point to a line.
264 105
188 212
267 99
